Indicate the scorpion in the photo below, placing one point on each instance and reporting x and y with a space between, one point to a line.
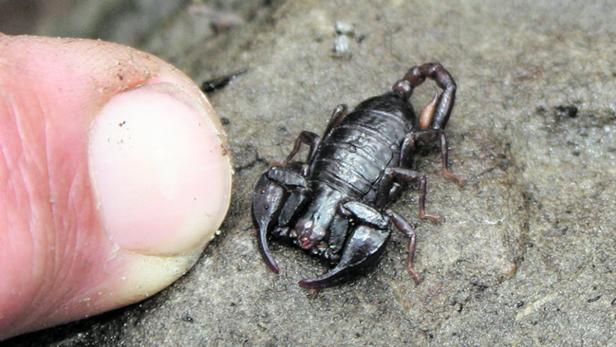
335 204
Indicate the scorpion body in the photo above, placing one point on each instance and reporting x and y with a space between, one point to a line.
335 204
352 156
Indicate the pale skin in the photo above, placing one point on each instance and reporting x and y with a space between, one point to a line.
112 178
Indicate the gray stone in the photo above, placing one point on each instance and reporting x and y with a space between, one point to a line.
527 254
341 48
343 28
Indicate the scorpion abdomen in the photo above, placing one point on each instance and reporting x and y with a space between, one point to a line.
353 156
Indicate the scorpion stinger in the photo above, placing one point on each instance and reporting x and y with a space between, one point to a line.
435 71
426 115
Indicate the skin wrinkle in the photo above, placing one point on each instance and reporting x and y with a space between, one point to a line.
65 244
73 206
71 198
21 192
50 242
33 170
16 190
62 243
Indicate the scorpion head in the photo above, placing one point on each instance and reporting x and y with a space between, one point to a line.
312 227
309 233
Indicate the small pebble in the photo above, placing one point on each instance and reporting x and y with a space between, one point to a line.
343 28
341 47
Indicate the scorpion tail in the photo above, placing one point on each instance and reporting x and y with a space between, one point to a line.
436 72
361 252
265 210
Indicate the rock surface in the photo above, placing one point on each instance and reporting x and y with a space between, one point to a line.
527 254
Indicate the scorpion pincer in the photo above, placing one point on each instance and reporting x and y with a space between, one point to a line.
335 204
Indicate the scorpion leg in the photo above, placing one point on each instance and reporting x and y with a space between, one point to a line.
305 137
341 111
338 230
397 174
278 194
410 144
405 227
311 139
363 248
446 171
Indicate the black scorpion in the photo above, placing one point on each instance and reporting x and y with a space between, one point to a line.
335 204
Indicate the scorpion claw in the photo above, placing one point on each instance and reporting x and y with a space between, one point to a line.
328 279
265 252
278 193
361 252
266 206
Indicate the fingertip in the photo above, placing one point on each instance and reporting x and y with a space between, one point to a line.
159 170
131 159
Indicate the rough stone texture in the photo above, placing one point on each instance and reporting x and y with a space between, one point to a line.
527 255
